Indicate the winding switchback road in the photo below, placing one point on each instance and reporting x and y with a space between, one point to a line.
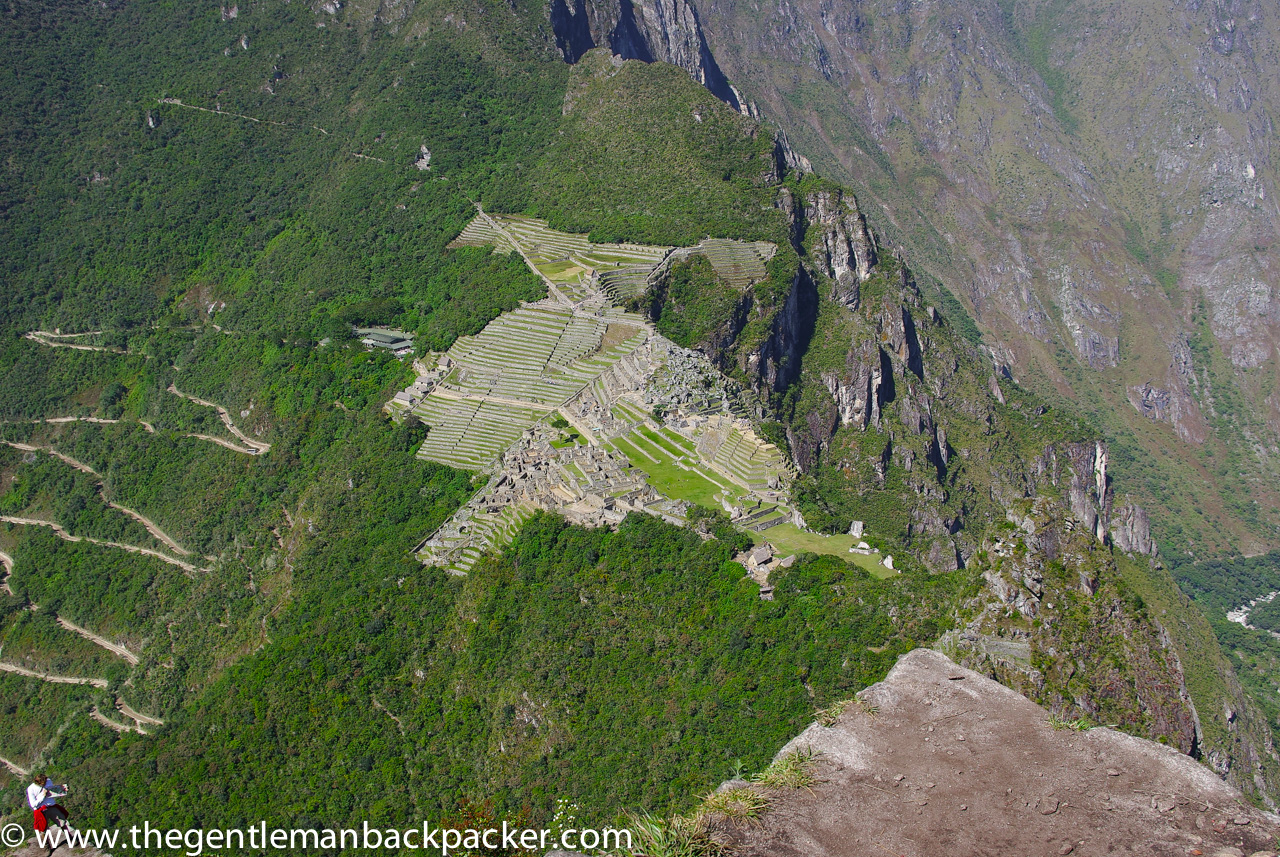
114 648
61 533
55 679
258 445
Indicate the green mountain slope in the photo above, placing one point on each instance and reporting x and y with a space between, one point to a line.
198 207
1093 180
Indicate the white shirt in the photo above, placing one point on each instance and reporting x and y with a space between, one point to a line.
38 795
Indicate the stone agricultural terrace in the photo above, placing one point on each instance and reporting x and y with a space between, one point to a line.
513 373
581 269
573 405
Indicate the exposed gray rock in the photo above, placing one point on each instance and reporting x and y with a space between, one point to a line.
647 30
423 160
844 249
934 740
1131 530
858 390
1087 491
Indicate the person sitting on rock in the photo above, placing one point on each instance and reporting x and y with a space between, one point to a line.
43 796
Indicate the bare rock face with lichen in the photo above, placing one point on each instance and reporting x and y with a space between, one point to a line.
1099 196
939 760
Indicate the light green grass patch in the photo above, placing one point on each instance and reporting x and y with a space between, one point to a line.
660 446
568 438
668 479
788 539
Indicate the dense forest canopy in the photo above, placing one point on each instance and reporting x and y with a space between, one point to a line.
210 199
208 202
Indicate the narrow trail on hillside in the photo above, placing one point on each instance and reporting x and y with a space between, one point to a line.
258 446
129 712
98 420
61 533
151 526
224 442
54 679
78 465
123 707
44 337
218 111
501 230
112 724
114 648
17 769
151 429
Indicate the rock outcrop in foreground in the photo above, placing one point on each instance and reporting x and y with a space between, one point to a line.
939 760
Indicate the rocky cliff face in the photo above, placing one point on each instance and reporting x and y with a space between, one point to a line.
895 419
1098 188
888 393
939 760
1091 634
774 363
843 247
648 30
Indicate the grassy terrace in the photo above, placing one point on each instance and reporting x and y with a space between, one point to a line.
666 437
628 412
740 263
788 539
623 269
749 459
470 434
511 374
681 483
487 531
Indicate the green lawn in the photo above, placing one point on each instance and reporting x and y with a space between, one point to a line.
788 539
667 449
628 412
569 438
563 270
668 479
668 438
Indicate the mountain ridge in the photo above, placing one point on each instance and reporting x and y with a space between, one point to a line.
200 250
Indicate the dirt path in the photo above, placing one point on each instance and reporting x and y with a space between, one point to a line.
55 679
98 420
151 526
46 338
501 230
224 442
111 724
78 465
7 562
20 771
151 429
114 648
257 446
129 712
63 534
220 112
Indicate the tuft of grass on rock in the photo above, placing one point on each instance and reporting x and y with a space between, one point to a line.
678 836
1080 724
829 715
693 835
737 804
792 771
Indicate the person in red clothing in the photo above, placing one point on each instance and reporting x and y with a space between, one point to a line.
43 796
